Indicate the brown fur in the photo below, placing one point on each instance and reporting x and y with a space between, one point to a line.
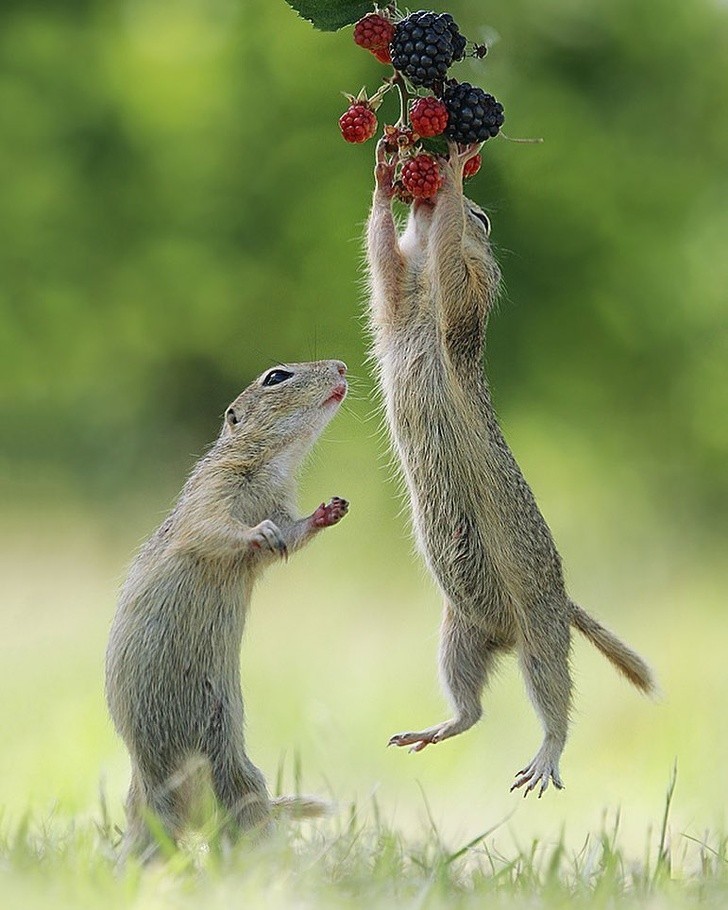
173 660
475 518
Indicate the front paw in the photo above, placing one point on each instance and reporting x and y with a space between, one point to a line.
267 537
330 513
458 157
384 170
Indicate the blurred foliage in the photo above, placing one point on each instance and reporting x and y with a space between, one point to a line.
179 211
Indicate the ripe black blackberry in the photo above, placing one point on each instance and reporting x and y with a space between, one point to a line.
459 42
424 46
473 115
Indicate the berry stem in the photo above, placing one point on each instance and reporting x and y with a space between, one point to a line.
523 141
404 96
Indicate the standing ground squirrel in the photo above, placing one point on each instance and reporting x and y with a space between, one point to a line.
475 518
173 660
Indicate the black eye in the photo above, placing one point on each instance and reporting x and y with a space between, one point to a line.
276 376
231 416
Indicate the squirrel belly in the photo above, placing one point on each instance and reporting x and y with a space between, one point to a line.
469 498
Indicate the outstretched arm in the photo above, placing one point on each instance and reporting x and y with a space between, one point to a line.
220 535
286 537
448 222
386 262
465 273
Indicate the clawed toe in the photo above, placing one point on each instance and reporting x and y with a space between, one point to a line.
540 772
420 745
404 739
459 155
416 741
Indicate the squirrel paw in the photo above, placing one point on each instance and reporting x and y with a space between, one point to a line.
330 513
267 536
544 769
384 170
458 157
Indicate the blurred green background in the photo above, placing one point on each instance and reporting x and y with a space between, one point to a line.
179 212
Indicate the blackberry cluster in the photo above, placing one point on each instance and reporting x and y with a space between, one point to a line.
425 45
473 115
421 47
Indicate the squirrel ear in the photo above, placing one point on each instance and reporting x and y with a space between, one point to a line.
231 417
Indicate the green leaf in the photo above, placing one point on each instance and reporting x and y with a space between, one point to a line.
331 15
436 145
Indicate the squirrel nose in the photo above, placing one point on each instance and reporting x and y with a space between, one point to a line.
341 367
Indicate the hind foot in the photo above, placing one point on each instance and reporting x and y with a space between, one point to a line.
544 769
432 735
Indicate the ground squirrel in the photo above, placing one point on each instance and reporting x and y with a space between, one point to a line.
173 659
475 518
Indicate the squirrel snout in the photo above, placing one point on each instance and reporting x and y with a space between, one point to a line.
338 393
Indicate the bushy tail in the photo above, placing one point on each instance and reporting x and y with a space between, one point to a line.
302 806
624 659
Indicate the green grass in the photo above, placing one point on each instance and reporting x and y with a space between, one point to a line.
339 653
358 860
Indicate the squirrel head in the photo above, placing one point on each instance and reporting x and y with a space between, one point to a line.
285 409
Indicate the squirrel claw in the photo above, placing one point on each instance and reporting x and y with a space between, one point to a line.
438 733
459 155
418 747
416 741
543 770
463 152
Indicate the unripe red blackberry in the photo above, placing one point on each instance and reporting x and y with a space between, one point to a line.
373 32
472 166
358 123
474 115
428 117
421 176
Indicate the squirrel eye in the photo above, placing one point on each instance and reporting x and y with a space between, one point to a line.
231 416
276 376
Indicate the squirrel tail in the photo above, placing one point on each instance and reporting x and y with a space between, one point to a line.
624 659
301 807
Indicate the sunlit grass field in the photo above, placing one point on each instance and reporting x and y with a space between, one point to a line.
179 213
340 653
